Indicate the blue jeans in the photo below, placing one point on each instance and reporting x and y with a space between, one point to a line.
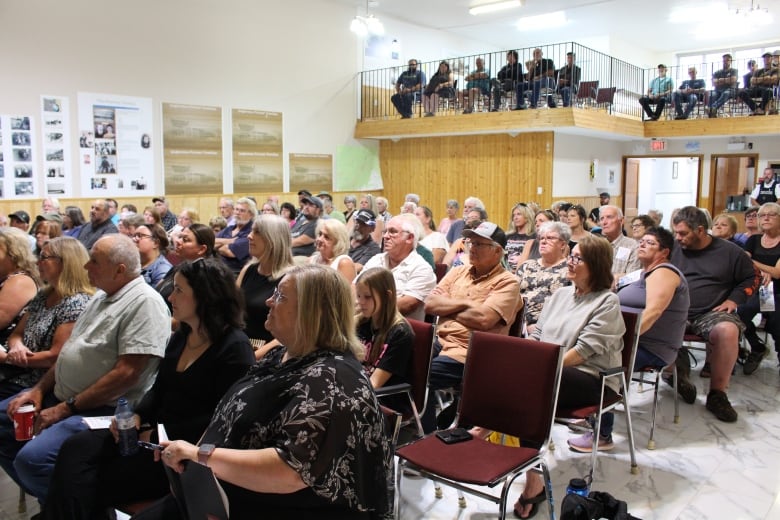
31 463
719 98
565 95
689 99
536 91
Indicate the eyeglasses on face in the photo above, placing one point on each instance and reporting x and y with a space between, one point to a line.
548 239
43 257
576 259
276 297
644 242
393 231
140 236
768 214
471 243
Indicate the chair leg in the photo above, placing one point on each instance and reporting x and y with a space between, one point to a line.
651 440
461 500
630 429
676 396
22 507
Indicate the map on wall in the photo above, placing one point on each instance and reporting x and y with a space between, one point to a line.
258 160
55 136
192 149
115 145
357 169
18 177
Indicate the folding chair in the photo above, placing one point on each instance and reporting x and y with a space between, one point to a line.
417 391
633 320
498 370
606 96
586 93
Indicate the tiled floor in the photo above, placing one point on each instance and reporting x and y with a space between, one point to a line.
702 468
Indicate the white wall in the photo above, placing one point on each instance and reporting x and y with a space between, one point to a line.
571 166
661 188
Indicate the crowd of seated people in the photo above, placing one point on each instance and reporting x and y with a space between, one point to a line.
551 271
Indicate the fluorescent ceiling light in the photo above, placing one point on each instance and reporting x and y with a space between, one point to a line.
542 21
496 6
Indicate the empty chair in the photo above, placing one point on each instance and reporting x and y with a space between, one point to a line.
586 92
605 97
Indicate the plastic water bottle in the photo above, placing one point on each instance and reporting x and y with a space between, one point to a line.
128 434
577 486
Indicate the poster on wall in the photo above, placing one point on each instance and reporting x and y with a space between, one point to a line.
357 169
18 177
313 172
192 149
258 160
55 136
115 145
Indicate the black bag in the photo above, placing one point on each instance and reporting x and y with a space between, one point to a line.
595 506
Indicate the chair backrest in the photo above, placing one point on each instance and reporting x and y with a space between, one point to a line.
587 89
440 270
605 95
421 361
510 385
632 318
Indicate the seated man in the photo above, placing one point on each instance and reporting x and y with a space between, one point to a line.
690 92
232 243
540 76
720 277
479 296
477 84
409 82
113 350
304 230
762 83
507 78
657 94
724 81
414 277
362 245
625 260
568 79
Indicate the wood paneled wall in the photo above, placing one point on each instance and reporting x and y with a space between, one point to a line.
497 168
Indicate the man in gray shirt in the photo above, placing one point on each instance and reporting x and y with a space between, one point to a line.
99 224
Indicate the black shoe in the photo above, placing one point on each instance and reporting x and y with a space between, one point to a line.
685 388
494 110
680 117
718 403
753 361
520 107
406 116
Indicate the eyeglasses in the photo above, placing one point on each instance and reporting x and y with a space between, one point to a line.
471 243
637 226
651 243
393 231
576 259
140 236
276 297
548 239
751 215
42 257
770 214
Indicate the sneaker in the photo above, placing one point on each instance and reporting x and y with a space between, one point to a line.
718 403
579 425
753 361
584 443
685 388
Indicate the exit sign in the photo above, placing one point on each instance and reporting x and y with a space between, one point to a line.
657 145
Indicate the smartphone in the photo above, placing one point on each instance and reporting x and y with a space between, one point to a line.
454 435
151 445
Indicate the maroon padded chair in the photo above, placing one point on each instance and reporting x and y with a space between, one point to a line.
498 369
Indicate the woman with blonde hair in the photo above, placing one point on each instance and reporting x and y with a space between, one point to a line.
152 216
332 243
18 278
724 226
36 342
523 229
269 246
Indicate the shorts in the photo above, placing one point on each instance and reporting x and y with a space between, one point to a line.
703 324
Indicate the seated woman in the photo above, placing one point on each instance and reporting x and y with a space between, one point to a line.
288 212
387 337
45 231
18 279
203 359
36 342
269 245
662 293
540 278
152 242
523 228
577 219
751 226
72 220
586 318
322 451
457 255
193 242
435 241
639 226
442 84
725 226
531 249
332 243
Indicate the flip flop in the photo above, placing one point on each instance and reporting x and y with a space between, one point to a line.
533 502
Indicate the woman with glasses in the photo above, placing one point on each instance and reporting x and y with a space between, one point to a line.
151 241
639 226
36 342
203 359
751 226
302 434
586 318
269 246
540 278
531 249
523 227
764 249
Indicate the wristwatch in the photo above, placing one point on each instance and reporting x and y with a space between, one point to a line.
71 402
204 452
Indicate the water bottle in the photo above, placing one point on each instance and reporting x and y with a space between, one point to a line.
577 486
128 434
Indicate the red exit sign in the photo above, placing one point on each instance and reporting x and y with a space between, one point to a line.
657 145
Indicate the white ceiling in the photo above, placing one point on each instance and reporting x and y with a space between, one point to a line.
644 24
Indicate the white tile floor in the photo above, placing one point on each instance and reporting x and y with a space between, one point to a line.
702 468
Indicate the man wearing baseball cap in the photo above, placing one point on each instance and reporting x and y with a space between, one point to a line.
363 246
480 296
21 220
304 229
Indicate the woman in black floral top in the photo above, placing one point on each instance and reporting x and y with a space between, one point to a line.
301 436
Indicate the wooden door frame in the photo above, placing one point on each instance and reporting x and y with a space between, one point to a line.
624 162
713 165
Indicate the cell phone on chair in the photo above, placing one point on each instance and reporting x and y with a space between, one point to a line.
454 435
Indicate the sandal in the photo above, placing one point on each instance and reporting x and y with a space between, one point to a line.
533 502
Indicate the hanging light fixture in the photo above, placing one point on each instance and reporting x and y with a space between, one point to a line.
368 24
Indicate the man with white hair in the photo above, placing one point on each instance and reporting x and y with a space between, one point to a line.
114 350
381 209
232 243
227 210
456 228
50 205
414 277
625 260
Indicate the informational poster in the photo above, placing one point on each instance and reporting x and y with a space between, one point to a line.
115 145
258 160
313 172
192 149
17 168
357 169
56 139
